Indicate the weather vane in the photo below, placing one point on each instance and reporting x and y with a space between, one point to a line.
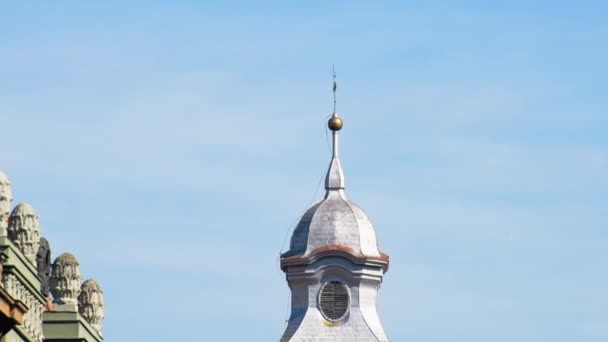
335 85
335 123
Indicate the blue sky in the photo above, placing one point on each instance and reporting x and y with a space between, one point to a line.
172 147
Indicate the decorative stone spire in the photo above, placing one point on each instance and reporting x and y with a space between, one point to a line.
43 265
6 199
24 231
65 280
90 303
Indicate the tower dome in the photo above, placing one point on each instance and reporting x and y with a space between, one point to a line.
24 231
334 222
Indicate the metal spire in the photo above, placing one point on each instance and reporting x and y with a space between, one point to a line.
335 177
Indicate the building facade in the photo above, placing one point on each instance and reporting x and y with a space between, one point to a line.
39 300
333 266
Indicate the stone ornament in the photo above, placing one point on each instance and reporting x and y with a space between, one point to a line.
65 279
3 259
43 266
90 304
6 200
24 231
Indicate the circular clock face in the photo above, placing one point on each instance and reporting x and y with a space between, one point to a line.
334 300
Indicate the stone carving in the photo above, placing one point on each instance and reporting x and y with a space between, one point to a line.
65 279
6 199
43 265
3 259
32 320
90 303
24 231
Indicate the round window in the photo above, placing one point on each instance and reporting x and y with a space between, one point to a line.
334 300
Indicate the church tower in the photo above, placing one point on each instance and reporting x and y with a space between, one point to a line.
333 266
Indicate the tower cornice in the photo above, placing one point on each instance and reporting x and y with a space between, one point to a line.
335 250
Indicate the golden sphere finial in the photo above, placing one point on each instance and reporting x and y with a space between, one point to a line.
335 123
